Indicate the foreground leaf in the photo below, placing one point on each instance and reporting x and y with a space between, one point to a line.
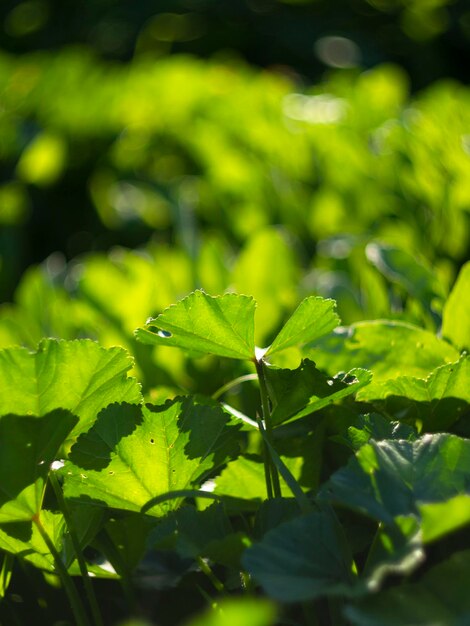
313 318
221 325
79 376
133 455
302 559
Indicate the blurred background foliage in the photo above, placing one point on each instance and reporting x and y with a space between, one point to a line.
276 148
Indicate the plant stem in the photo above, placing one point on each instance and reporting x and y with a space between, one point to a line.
205 568
76 604
95 609
266 463
233 383
267 424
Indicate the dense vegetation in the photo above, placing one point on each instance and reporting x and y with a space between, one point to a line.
234 381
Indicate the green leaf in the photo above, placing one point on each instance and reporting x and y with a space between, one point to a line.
79 376
313 318
441 518
135 454
456 314
387 479
437 401
220 325
267 270
374 426
28 445
24 540
302 559
6 571
387 349
403 269
396 549
206 534
299 392
440 598
243 485
238 611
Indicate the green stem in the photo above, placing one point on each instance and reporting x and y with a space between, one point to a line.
78 609
205 568
267 423
266 463
233 383
95 609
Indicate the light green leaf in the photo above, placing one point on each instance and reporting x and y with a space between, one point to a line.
456 315
243 485
402 268
267 270
25 541
79 376
302 559
437 401
135 454
299 392
387 479
6 570
313 318
220 325
238 611
388 349
441 518
28 445
440 598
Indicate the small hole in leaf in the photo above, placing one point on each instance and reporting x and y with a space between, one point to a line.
164 333
173 470
152 440
111 472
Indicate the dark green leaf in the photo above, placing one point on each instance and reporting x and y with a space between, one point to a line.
440 598
387 479
374 426
299 392
302 559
